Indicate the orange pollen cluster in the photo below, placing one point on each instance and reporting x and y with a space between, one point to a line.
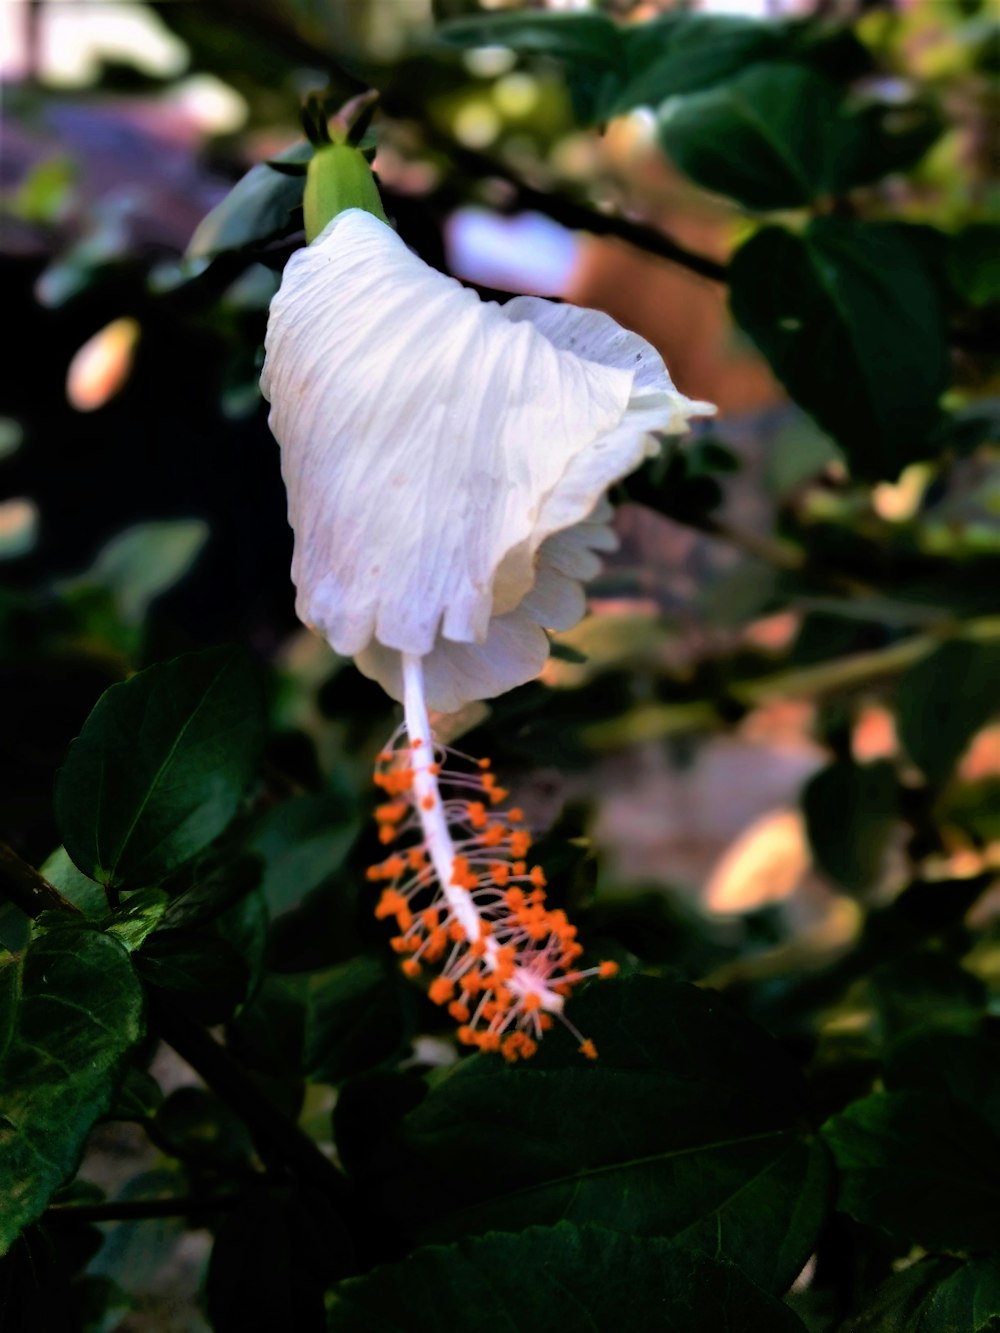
504 962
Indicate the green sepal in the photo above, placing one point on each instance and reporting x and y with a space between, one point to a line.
338 178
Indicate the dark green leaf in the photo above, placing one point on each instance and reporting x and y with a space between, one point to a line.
139 917
943 701
205 977
256 210
773 137
974 263
274 1257
78 1012
963 1066
684 53
923 991
936 1296
921 1166
688 1126
849 316
160 767
549 1276
850 810
196 1126
355 1018
302 842
82 891
574 37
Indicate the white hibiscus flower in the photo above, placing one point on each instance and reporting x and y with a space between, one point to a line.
446 458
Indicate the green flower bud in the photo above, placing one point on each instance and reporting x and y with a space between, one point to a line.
338 178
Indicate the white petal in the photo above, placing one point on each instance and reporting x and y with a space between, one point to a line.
514 651
654 405
423 435
557 602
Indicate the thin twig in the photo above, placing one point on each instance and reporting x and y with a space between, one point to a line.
27 889
138 1210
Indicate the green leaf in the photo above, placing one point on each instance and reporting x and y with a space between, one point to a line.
849 316
142 562
256 210
204 975
685 53
274 1257
779 135
196 1126
302 842
356 1017
974 263
78 1012
850 811
925 990
160 767
921 1166
546 1277
691 1115
944 700
770 138
138 918
954 1064
936 1296
82 891
572 37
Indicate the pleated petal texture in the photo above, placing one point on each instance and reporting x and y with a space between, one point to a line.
431 443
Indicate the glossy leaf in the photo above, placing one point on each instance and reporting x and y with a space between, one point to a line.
850 810
943 701
921 1166
688 1126
160 767
204 975
356 1017
849 316
770 138
78 1011
548 1277
938 1295
256 210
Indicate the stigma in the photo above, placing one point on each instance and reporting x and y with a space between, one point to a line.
469 908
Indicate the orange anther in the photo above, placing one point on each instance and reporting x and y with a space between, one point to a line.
427 803
494 835
499 873
456 932
459 1011
518 868
607 969
467 1036
411 967
537 877
441 990
400 944
498 794
520 841
485 763
531 1002
515 814
386 833
589 1050
477 815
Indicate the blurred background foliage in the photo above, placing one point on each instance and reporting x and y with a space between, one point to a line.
768 761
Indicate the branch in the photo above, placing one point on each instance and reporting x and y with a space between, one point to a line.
137 1210
656 721
234 1086
27 889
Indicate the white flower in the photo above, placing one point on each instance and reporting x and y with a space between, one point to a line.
446 458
